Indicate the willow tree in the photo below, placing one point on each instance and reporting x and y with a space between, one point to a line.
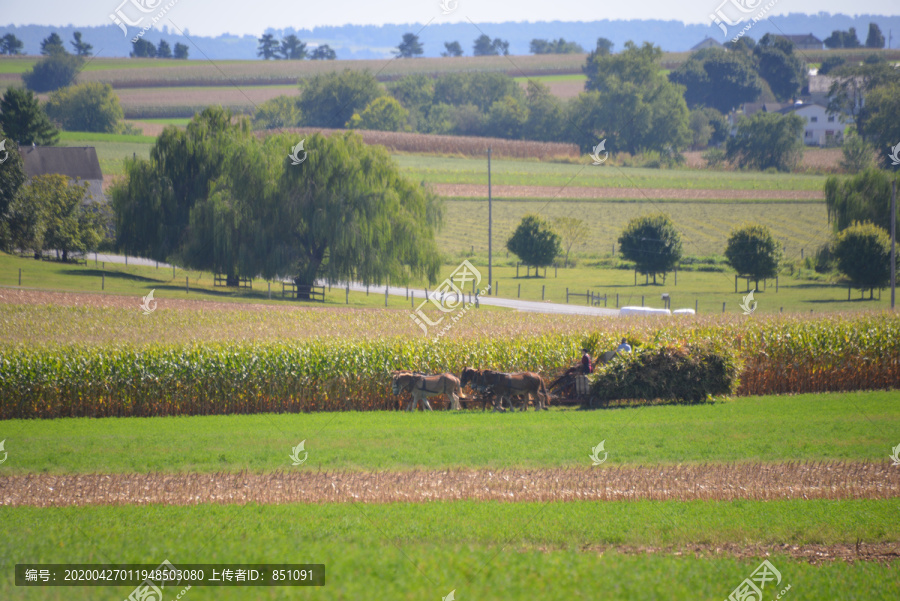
346 213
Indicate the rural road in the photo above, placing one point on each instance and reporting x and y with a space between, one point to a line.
508 303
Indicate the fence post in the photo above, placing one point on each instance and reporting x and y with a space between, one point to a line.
187 287
497 288
102 281
367 290
270 289
776 284
556 271
635 277
517 269
519 293
676 275
723 307
567 296
412 300
617 300
642 300
542 292
173 272
95 259
347 295
20 276
735 284
20 283
407 291
695 307
385 296
157 264
126 259
605 299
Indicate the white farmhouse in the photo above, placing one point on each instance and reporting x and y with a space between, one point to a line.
820 127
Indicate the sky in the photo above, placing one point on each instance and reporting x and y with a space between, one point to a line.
215 17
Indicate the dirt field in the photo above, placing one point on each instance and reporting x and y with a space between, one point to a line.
724 482
476 191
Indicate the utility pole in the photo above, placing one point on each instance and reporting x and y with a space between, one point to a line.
490 227
893 240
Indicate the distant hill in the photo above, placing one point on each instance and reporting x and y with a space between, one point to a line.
371 41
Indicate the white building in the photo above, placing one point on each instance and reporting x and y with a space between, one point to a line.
821 127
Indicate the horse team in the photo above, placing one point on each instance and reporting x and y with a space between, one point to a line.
494 385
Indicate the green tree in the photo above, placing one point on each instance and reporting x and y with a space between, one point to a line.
152 203
507 118
534 242
56 217
292 48
875 39
23 119
652 243
545 117
637 65
12 175
52 44
878 121
322 52
753 252
53 72
830 64
11 45
346 213
604 46
708 127
784 71
767 140
410 47
863 253
862 197
163 50
268 47
89 106
852 84
560 46
415 92
277 113
452 49
484 46
480 89
141 48
81 48
181 51
329 100
383 114
842 39
572 231
719 79
857 154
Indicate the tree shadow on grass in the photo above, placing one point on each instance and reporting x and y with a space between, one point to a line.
119 275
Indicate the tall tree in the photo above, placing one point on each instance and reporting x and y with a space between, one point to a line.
875 39
322 52
484 46
24 121
329 100
767 140
163 50
52 44
181 51
560 46
534 242
91 106
652 243
719 79
852 83
382 114
545 116
863 253
452 49
410 47
865 196
53 72
842 39
268 47
830 64
142 48
478 88
11 45
753 252
81 48
604 46
292 48
879 123
783 70
12 177
572 231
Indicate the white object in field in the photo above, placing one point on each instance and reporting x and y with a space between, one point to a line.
582 385
643 311
683 312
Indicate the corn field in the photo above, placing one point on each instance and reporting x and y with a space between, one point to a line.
779 354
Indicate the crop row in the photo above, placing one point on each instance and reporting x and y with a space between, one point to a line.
779 355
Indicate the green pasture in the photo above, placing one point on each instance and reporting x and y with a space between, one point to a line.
112 149
517 551
453 170
836 426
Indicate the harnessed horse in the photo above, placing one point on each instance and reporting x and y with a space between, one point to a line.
420 387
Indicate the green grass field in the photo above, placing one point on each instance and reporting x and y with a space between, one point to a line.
479 550
441 170
845 426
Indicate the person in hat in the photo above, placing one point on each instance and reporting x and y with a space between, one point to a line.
586 365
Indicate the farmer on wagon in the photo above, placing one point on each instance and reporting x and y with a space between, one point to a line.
586 366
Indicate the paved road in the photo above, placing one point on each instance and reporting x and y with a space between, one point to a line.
419 294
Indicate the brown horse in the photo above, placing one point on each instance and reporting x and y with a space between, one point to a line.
506 385
421 387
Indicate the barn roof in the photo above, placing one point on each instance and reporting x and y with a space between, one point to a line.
80 162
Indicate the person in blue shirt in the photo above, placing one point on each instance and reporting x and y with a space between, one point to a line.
624 347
